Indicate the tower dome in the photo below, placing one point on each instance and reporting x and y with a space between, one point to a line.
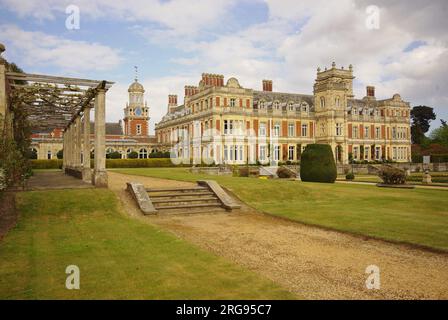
136 87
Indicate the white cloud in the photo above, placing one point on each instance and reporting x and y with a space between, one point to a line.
179 17
40 49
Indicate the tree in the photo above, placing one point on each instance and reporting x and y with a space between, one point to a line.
440 135
421 116
60 154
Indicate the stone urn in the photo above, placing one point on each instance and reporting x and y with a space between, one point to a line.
426 178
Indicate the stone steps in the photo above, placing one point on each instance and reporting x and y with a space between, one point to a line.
184 200
207 197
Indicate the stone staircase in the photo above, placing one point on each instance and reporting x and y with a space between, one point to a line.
184 200
206 197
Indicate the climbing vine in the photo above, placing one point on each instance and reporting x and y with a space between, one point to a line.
15 142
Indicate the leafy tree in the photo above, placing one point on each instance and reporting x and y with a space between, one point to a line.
421 117
440 135
60 154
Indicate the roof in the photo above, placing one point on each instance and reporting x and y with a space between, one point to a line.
136 87
112 128
283 97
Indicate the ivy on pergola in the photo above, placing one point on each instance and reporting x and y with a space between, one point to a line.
52 102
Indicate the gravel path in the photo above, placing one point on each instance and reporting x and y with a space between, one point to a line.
311 262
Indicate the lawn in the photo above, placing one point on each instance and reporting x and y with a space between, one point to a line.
418 216
118 257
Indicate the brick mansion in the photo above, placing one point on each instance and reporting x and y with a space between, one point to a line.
267 126
234 125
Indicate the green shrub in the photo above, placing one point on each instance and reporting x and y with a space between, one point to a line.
133 155
113 155
159 154
391 175
350 176
285 173
46 164
60 154
317 164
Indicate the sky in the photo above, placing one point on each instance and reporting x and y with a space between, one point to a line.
399 46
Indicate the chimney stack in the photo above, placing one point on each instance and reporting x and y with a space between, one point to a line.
214 80
267 85
191 90
370 91
172 100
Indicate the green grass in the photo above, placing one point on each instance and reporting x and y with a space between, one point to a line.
118 257
417 216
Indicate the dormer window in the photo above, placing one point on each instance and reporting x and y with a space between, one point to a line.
290 106
276 105
232 102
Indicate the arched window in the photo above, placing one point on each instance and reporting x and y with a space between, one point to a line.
291 106
337 101
322 102
109 150
49 154
143 154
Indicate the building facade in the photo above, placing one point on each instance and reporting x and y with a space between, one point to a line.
124 137
227 123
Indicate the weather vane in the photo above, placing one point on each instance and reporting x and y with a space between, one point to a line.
136 73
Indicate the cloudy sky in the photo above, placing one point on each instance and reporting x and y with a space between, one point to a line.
173 42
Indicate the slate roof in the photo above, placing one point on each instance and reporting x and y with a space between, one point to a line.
112 128
283 97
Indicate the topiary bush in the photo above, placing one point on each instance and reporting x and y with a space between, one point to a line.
391 175
350 176
317 164
285 173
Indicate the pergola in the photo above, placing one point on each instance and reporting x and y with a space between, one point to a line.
54 102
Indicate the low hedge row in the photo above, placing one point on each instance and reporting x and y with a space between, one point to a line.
110 163
46 164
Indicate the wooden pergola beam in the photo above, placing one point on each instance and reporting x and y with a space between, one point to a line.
57 80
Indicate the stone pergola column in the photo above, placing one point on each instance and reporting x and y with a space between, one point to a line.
78 143
68 152
64 150
3 103
99 172
70 143
86 172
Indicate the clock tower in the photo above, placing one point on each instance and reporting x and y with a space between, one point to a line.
136 113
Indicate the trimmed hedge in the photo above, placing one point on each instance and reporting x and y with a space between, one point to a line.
317 164
110 163
139 163
46 164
